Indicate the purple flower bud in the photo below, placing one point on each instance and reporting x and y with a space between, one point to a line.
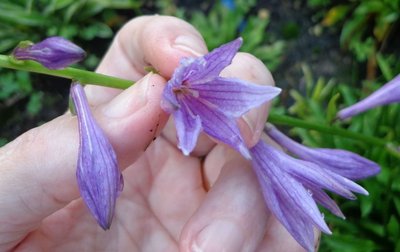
345 163
53 53
389 93
99 178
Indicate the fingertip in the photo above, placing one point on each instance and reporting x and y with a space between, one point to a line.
247 67
160 41
134 118
170 40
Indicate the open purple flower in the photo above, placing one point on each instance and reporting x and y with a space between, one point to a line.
388 93
53 53
201 100
342 162
99 178
291 187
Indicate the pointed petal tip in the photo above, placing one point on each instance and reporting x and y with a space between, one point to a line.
185 152
245 152
105 226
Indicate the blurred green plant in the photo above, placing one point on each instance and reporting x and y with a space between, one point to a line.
374 221
367 26
80 21
227 20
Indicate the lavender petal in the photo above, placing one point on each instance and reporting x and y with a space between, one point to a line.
342 162
210 65
188 128
388 93
234 96
283 193
324 200
219 126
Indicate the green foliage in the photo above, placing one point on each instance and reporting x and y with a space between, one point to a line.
74 20
221 24
79 21
367 25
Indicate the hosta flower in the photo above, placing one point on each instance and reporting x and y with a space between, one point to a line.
342 162
389 93
53 53
201 100
99 178
291 187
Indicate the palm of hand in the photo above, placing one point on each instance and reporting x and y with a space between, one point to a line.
161 191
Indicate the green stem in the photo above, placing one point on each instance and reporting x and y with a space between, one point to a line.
88 77
290 121
83 76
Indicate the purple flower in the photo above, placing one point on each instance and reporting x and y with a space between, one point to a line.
291 187
201 100
342 162
389 93
99 178
53 53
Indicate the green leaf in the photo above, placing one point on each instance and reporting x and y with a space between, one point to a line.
349 243
384 66
396 201
35 103
3 141
15 17
332 109
352 28
393 227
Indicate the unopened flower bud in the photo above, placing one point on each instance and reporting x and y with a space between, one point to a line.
53 52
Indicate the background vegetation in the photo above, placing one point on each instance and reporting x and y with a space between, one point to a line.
325 54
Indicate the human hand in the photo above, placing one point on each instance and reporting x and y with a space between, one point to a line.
209 201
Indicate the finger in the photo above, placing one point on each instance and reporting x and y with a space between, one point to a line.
247 67
157 41
37 172
277 238
232 216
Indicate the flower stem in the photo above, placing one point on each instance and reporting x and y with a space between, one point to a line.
83 76
88 77
333 130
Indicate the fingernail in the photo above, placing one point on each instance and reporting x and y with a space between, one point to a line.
254 122
222 235
190 44
130 100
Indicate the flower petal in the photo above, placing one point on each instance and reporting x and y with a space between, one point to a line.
188 128
234 96
99 178
342 162
209 66
291 203
388 93
324 200
219 126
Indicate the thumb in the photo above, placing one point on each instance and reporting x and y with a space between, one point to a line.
37 171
